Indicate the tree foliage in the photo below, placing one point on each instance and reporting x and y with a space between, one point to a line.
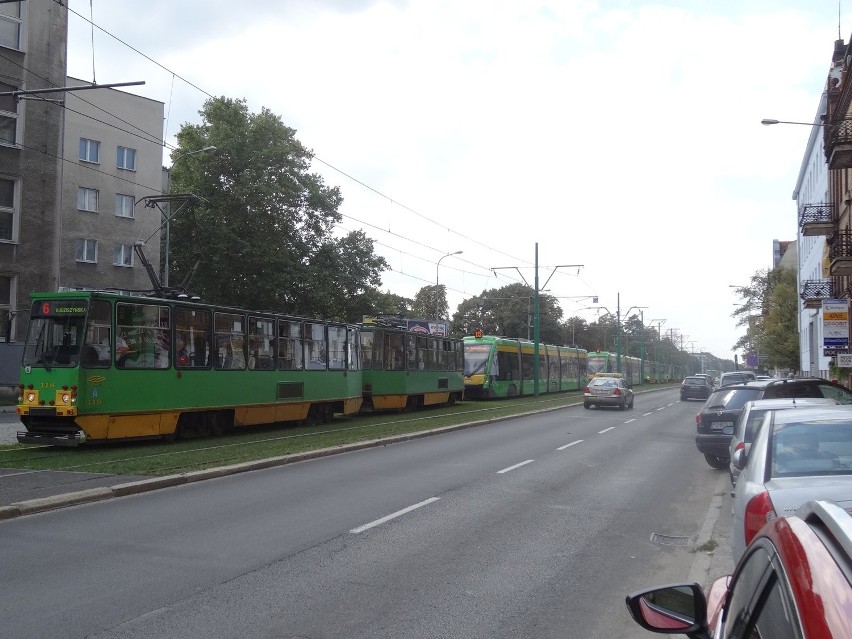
769 315
262 234
509 311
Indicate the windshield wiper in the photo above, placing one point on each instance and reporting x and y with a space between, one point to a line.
476 369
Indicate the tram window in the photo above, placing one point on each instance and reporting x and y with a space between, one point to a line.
394 352
261 344
192 338
290 348
378 351
367 338
230 344
337 347
144 329
353 346
98 344
316 347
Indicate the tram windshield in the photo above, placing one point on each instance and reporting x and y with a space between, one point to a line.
597 364
475 358
55 333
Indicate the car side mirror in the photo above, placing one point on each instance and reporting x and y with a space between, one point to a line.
673 609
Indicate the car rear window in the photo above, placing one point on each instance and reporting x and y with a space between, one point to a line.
812 448
736 378
733 398
695 381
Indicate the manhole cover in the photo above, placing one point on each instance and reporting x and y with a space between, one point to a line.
669 540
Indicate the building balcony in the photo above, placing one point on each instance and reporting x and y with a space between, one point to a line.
817 219
814 292
840 252
838 146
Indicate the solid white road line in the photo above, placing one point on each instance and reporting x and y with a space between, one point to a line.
569 445
398 513
523 463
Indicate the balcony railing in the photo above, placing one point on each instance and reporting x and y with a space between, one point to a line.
840 252
814 292
838 146
817 219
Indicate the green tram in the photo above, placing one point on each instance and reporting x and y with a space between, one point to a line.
101 366
503 367
606 362
407 370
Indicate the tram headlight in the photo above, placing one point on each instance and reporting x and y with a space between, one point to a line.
31 397
66 398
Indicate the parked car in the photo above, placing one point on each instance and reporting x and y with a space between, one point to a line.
796 456
792 583
695 386
608 391
752 415
761 378
715 422
735 377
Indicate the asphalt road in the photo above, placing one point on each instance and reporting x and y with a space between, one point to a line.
534 527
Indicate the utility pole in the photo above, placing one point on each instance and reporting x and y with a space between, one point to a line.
536 317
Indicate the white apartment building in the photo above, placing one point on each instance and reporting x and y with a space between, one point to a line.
814 282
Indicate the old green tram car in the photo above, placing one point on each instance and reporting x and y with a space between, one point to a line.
101 366
504 367
402 369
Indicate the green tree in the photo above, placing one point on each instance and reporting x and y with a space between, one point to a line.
509 311
431 302
769 315
262 233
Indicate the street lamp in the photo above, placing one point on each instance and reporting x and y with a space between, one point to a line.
437 271
770 121
169 218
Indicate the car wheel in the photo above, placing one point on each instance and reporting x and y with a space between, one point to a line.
622 405
632 399
586 404
719 463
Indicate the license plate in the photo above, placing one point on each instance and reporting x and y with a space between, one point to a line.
721 425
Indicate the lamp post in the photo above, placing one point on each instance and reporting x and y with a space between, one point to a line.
169 218
770 121
437 270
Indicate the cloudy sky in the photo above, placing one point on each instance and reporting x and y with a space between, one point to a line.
623 136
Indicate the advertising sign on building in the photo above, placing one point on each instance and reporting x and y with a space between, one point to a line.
835 326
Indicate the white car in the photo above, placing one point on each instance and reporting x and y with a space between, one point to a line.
752 415
797 456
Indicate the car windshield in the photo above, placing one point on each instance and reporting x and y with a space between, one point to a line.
732 398
606 382
812 448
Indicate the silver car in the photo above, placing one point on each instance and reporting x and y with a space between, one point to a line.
608 391
752 414
797 455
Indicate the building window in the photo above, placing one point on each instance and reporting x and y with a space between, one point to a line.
10 25
8 115
126 158
123 255
87 199
90 151
124 205
6 309
8 210
86 251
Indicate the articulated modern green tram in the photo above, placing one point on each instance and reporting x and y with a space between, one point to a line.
504 367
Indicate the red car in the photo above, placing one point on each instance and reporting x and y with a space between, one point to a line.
793 582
